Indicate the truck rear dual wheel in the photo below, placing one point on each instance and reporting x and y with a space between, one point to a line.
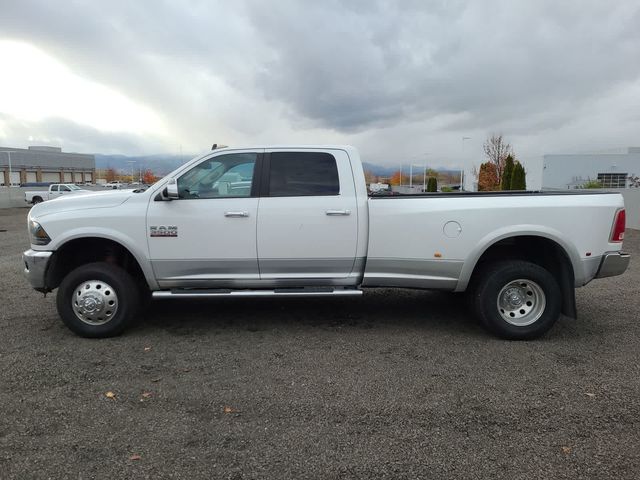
517 300
98 300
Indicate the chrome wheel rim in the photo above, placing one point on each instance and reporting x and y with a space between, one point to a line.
521 302
94 302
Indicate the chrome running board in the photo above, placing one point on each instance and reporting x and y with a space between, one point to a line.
278 292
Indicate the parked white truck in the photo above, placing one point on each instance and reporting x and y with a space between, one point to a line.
297 221
55 190
114 185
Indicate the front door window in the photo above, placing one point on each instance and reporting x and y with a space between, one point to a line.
222 176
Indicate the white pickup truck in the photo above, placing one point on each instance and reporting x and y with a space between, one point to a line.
297 221
115 185
55 190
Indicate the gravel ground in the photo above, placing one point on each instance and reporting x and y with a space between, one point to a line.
396 384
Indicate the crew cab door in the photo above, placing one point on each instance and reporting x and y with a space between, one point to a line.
207 237
308 218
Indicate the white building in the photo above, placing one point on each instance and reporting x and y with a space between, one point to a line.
573 170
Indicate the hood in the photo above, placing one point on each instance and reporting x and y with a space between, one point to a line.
81 201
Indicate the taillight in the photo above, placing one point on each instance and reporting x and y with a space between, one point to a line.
617 234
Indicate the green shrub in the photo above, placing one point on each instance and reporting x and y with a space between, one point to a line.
507 174
592 184
518 177
432 184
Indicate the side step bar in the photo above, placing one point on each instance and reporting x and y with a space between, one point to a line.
278 292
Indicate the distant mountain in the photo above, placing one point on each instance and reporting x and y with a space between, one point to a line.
378 170
417 170
162 164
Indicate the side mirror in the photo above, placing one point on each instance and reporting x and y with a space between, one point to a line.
171 191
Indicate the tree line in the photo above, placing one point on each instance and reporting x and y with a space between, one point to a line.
111 175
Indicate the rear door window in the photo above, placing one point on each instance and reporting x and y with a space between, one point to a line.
293 174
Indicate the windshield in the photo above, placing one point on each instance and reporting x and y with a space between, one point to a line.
74 187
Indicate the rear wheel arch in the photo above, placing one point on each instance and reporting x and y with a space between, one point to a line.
543 251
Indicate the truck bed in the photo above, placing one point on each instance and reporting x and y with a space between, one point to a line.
433 240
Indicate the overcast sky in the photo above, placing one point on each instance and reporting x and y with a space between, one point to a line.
400 80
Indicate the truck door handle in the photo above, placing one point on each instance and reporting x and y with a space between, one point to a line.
236 214
335 213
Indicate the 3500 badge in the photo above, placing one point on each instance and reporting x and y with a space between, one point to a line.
163 231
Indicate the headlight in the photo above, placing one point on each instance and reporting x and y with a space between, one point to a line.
37 233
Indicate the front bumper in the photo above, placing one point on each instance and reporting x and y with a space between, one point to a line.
35 267
612 264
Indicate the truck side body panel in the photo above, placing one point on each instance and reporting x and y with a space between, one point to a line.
435 242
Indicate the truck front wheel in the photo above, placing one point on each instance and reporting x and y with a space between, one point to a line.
517 300
97 300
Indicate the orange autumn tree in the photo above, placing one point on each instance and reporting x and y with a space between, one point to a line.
396 179
488 177
148 177
110 175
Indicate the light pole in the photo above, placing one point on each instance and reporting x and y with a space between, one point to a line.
462 164
131 163
424 174
9 152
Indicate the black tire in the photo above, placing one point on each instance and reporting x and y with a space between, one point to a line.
538 288
36 200
126 297
469 298
145 297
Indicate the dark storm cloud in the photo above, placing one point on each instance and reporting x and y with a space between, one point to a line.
348 68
